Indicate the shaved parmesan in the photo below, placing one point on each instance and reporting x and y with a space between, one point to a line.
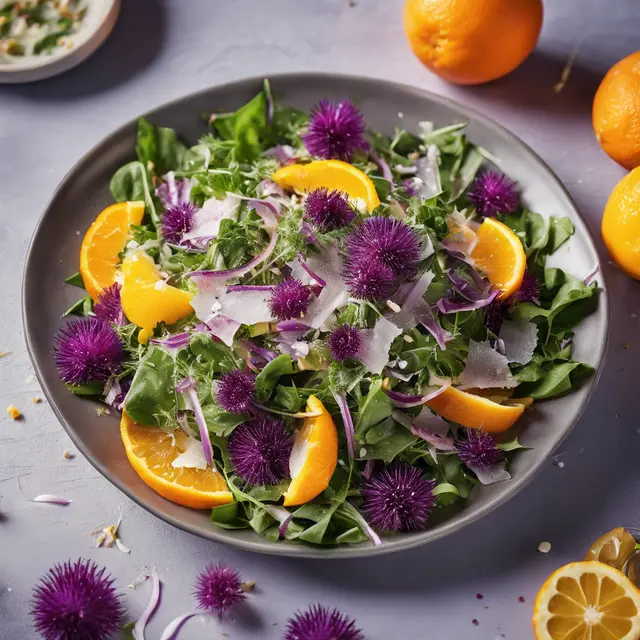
486 368
192 457
520 340
490 475
376 342
206 221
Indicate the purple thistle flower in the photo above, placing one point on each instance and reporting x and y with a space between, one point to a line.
494 316
218 588
409 186
290 299
172 191
388 240
479 449
321 623
87 350
328 210
109 307
369 280
335 130
236 390
344 342
529 290
260 450
176 221
76 602
493 193
398 498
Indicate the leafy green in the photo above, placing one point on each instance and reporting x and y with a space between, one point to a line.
50 41
130 182
555 380
86 388
158 148
83 307
75 280
374 407
267 379
386 440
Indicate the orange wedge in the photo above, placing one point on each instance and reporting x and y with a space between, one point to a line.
335 175
476 412
499 254
314 456
147 299
587 601
103 242
151 452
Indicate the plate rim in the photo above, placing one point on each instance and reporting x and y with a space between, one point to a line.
260 545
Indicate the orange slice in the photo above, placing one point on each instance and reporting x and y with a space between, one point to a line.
499 254
151 452
103 242
476 412
314 456
330 174
587 601
147 299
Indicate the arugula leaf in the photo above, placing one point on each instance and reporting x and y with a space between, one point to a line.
75 280
373 408
215 356
267 379
130 182
86 389
158 148
83 307
229 516
289 399
555 380
221 422
344 377
386 440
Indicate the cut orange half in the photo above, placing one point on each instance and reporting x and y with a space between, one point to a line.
103 242
147 299
314 456
476 412
499 254
151 452
334 175
587 601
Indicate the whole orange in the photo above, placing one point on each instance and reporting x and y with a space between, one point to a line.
472 41
621 224
616 112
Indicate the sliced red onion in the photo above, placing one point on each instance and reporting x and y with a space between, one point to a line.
376 342
154 601
314 276
308 234
441 443
404 377
112 398
292 325
341 399
591 275
282 516
452 248
268 209
283 153
383 166
462 286
429 174
269 188
406 401
187 388
368 469
250 287
206 221
362 523
448 306
490 475
431 421
51 499
429 322
172 630
223 327
485 368
175 341
267 354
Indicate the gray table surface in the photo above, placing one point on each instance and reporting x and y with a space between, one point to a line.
161 50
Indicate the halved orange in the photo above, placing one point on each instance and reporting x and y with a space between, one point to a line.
147 299
151 452
476 412
587 601
314 456
335 175
499 254
103 242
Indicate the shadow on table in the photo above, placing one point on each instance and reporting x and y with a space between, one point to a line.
136 40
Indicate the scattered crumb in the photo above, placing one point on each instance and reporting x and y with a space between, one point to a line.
100 539
363 452
4 353
402 364
77 232
558 463
102 411
400 114
407 338
67 455
140 579
36 399
475 622
544 547
479 596
276 271
625 345
394 306
248 586
14 412
486 606
521 598
566 72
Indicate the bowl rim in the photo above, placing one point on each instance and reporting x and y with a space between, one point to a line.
400 543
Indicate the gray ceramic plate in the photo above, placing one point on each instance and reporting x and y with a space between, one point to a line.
53 255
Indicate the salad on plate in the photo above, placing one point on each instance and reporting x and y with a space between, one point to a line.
319 331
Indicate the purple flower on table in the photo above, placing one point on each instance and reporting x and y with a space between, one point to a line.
236 391
369 280
218 588
387 240
328 210
492 193
76 602
109 306
398 498
479 449
176 221
344 342
290 299
260 450
87 350
335 130
321 623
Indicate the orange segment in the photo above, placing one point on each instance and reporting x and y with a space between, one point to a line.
476 412
500 255
314 456
102 243
151 452
587 601
147 299
330 174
